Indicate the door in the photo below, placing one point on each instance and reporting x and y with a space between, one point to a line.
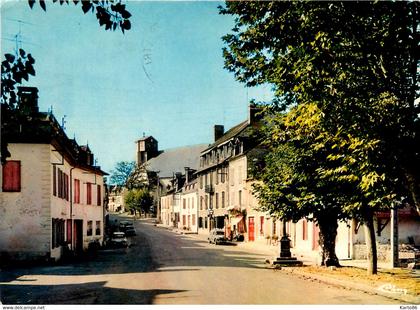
251 229
78 236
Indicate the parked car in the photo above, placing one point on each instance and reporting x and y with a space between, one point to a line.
130 231
118 239
217 236
124 225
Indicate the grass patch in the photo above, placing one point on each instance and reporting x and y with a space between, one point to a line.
401 278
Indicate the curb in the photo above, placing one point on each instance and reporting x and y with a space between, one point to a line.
408 298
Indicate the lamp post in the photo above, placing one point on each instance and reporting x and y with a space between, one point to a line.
286 258
285 243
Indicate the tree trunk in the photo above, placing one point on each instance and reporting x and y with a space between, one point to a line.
327 234
372 258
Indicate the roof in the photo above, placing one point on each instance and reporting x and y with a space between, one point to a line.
234 131
175 160
145 138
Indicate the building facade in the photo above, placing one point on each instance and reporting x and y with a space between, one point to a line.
52 196
225 197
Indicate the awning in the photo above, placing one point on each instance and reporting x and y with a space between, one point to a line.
235 220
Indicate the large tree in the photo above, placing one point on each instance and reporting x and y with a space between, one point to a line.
357 63
291 187
122 172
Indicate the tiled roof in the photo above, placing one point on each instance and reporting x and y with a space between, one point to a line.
176 159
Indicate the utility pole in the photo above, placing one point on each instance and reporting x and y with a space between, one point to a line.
394 236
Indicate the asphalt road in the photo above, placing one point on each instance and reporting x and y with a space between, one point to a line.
161 267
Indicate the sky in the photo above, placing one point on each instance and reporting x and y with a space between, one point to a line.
164 77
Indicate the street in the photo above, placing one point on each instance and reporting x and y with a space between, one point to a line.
161 267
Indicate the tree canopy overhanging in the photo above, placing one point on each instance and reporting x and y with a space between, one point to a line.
346 76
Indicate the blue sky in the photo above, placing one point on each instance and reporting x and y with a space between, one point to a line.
164 77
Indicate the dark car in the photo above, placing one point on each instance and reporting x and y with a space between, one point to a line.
118 240
217 236
124 225
130 231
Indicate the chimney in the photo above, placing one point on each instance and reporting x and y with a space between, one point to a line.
28 99
253 114
219 131
187 174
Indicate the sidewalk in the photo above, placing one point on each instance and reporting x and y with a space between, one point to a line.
351 276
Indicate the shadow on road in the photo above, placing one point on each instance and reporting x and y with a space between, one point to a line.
85 293
152 248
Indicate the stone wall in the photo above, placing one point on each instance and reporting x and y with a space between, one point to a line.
384 252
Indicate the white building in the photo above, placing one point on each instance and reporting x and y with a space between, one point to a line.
52 196
189 207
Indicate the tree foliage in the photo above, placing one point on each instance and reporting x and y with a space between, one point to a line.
122 172
356 67
138 200
110 13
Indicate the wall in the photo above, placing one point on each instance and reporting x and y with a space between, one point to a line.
191 209
25 215
92 212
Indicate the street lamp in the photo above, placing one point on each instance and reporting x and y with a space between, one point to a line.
285 243
286 258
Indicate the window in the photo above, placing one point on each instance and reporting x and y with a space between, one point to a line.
98 228
240 197
201 202
11 176
184 203
183 220
217 200
201 181
54 180
193 220
274 227
57 232
207 202
89 228
98 195
205 222
200 222
62 185
304 230
76 191
223 199
223 174
88 193
59 184
217 175
262 225
232 177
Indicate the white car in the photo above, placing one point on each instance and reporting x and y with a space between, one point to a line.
217 236
118 239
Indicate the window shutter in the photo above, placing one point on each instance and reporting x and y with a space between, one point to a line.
11 176
54 181
66 187
98 195
89 193
76 191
